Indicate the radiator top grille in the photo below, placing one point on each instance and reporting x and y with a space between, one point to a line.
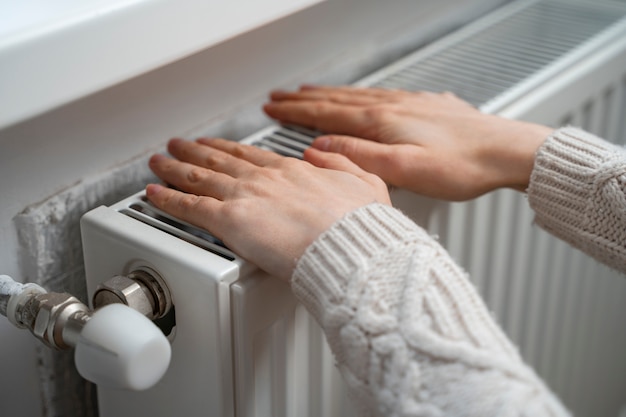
139 208
496 58
490 62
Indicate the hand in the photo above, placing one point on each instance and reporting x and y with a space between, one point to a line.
265 207
433 144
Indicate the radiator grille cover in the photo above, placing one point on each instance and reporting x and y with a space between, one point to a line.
523 42
490 63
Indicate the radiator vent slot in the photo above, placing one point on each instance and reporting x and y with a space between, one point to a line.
285 140
140 209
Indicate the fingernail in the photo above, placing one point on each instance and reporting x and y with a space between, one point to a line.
322 143
156 158
153 189
206 141
277 93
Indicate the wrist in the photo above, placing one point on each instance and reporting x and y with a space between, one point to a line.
515 157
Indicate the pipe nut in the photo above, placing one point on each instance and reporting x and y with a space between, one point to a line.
122 289
54 311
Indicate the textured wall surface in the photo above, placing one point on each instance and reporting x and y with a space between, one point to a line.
52 256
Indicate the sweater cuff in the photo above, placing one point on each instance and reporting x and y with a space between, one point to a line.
323 272
570 176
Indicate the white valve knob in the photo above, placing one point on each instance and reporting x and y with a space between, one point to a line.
121 348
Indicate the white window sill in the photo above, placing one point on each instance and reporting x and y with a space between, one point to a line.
54 52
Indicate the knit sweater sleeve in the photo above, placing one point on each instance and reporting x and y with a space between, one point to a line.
409 333
578 192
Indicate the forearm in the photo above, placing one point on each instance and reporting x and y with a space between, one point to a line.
578 192
407 328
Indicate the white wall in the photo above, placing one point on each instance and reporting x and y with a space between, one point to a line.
39 157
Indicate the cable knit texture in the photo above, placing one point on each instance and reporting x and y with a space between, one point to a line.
578 192
410 334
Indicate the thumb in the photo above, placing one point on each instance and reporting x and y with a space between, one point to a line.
333 161
339 162
371 156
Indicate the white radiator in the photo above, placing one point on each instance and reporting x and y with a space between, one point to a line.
241 344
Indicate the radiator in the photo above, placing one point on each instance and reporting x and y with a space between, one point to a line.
243 346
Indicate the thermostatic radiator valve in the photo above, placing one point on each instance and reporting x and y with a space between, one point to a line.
116 344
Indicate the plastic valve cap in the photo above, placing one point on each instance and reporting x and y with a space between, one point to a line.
121 348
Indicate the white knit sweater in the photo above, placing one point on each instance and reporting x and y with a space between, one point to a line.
410 334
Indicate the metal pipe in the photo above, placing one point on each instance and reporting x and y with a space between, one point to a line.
8 287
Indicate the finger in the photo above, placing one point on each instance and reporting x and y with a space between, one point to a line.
342 94
380 93
220 155
208 157
319 115
192 178
251 154
197 210
374 157
339 162
339 96
333 161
